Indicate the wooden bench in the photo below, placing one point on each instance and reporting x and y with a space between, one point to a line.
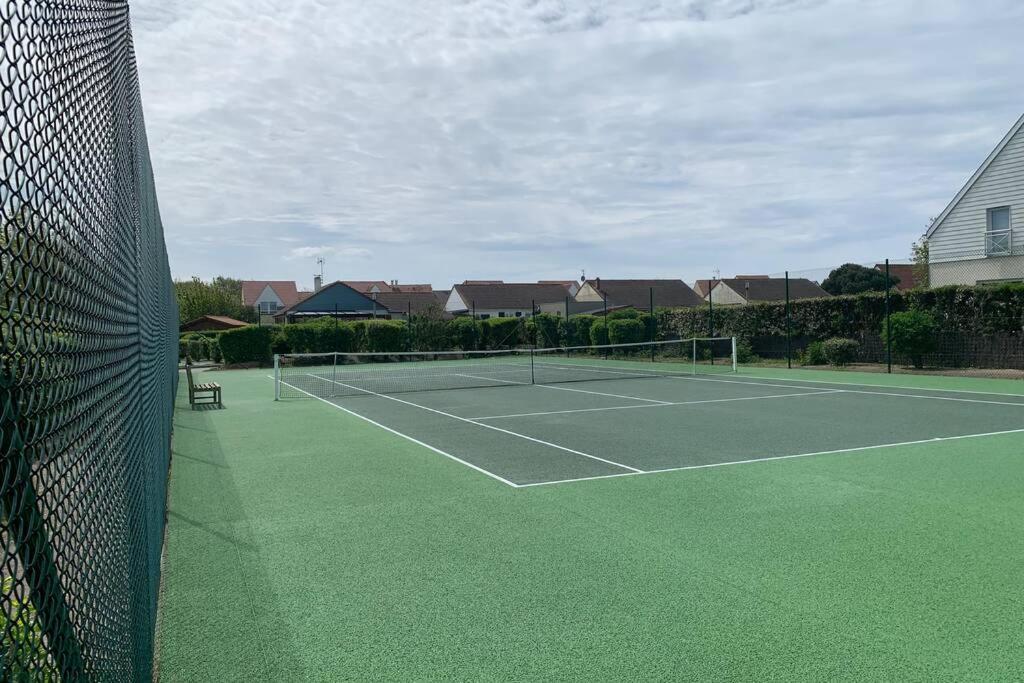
211 389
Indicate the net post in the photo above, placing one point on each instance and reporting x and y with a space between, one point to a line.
533 376
734 366
888 322
693 365
334 371
277 377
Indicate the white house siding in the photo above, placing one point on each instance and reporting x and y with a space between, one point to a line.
455 302
588 293
724 295
957 245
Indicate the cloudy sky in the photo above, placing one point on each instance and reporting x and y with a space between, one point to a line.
439 140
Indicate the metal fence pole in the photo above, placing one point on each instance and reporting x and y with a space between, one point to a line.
888 322
711 315
408 324
650 323
789 328
607 338
533 319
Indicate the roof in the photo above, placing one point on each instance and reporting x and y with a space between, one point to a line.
402 302
442 295
564 283
703 287
774 289
904 272
510 294
218 322
977 175
366 286
286 291
483 282
337 296
637 293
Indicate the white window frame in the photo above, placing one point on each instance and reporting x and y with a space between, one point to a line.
999 242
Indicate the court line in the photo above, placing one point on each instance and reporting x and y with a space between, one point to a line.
886 386
661 405
582 391
405 436
1019 404
778 457
704 378
486 426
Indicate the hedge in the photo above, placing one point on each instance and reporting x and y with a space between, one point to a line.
502 333
977 310
246 345
386 336
626 331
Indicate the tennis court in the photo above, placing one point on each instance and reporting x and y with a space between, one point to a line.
306 543
550 418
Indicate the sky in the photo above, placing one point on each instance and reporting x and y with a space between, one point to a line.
436 141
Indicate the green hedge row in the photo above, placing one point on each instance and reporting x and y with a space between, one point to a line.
980 310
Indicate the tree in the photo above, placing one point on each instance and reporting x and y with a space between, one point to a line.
851 278
919 255
221 296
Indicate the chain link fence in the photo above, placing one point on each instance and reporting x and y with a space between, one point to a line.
88 336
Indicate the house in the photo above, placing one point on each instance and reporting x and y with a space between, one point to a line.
399 305
704 287
208 323
903 273
270 296
503 299
336 300
637 293
751 290
378 286
979 237
573 307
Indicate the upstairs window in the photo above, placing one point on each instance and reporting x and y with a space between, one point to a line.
268 307
998 233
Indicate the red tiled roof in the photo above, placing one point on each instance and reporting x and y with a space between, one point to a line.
286 291
904 272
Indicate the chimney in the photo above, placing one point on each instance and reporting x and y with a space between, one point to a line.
317 283
597 283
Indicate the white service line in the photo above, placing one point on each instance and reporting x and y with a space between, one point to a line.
486 426
778 457
854 391
406 436
886 386
660 405
582 391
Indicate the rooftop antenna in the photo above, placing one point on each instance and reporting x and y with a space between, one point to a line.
718 274
583 274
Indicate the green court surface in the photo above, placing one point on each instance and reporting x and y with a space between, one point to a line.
770 524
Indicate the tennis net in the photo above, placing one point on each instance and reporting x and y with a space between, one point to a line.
333 375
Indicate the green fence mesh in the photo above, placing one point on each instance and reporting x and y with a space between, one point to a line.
88 342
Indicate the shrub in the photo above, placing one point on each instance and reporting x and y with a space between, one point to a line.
840 351
912 334
576 330
182 349
546 330
503 333
246 345
814 354
195 349
464 333
386 336
623 314
625 331
599 332
745 352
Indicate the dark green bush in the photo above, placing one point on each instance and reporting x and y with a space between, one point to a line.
576 330
839 351
182 349
745 352
912 333
464 333
246 345
196 349
546 330
814 354
599 332
386 336
624 314
503 333
625 331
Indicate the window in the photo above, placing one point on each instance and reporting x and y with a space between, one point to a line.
519 314
501 314
998 233
485 316
267 307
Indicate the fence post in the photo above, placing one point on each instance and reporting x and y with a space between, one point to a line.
650 324
888 322
607 337
408 324
789 328
474 310
533 319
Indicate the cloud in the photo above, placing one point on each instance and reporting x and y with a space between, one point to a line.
314 252
446 140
